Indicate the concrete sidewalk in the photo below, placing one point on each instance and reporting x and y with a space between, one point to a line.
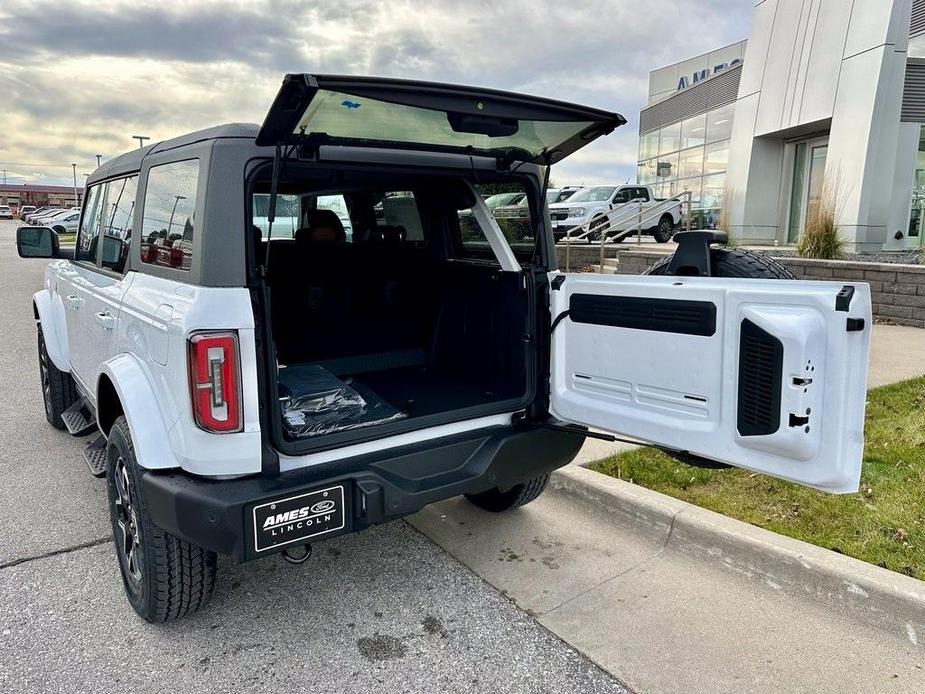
625 581
895 355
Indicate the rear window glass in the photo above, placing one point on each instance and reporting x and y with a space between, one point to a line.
169 224
341 115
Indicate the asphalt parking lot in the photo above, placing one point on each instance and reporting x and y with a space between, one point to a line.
386 609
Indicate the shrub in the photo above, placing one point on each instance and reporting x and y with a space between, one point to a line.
820 237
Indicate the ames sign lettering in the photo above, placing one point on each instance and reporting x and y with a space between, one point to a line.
702 75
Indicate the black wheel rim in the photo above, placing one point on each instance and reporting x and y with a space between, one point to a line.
128 534
46 381
666 227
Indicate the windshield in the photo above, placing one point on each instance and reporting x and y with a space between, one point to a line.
595 194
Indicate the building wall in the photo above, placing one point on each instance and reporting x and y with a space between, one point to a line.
826 67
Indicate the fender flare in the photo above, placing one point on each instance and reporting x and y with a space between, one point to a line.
139 405
50 315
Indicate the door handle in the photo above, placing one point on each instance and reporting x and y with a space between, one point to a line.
106 319
73 301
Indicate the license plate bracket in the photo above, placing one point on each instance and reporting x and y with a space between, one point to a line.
298 517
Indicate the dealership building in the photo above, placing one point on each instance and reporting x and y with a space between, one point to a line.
39 195
824 101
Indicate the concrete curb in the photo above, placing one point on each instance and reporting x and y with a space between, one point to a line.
861 591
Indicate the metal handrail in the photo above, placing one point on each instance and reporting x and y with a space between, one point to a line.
620 216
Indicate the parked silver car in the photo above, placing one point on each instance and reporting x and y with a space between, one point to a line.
64 223
6 212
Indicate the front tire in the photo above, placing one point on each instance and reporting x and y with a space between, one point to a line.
507 499
165 578
58 389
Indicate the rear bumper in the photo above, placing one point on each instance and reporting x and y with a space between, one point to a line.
219 515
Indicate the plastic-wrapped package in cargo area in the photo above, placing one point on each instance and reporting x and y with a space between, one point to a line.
315 402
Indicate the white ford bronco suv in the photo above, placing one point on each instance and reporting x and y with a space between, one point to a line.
256 387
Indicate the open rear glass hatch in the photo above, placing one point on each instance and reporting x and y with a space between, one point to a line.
404 114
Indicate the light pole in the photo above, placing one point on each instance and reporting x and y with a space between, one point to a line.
99 158
76 201
141 140
176 201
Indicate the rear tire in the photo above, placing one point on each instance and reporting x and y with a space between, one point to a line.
58 389
665 229
498 499
735 262
165 578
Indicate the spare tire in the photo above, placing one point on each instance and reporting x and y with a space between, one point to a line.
735 262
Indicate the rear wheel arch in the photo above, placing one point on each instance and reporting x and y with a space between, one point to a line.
108 404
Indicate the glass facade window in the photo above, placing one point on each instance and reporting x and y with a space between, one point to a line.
691 163
719 123
669 139
694 131
648 145
693 156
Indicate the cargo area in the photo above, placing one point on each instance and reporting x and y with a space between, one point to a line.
386 305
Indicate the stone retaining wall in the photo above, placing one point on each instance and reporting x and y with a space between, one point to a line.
898 291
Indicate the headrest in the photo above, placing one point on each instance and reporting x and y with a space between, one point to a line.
322 225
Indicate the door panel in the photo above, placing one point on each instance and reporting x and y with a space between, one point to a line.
100 300
761 374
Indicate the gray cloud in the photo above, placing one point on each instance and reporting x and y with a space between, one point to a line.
81 78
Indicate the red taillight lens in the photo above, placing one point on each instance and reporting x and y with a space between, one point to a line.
214 374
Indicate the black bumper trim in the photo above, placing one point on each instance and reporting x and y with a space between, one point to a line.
217 515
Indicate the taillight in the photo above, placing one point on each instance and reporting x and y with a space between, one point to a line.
215 387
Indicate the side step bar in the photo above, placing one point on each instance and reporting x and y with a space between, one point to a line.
79 418
95 456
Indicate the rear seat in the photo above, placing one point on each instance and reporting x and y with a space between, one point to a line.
354 307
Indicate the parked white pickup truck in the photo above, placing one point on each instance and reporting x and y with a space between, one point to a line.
587 207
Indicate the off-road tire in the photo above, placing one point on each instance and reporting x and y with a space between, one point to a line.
665 229
176 577
497 500
58 389
735 262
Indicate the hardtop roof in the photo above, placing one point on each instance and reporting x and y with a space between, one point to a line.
131 160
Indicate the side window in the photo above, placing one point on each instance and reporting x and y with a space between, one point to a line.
623 195
511 212
642 193
118 214
88 233
169 225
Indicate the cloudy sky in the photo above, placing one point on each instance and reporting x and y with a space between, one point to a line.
80 78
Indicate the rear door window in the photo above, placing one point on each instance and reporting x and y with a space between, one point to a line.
169 224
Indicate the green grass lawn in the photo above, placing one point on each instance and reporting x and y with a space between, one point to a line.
67 239
883 524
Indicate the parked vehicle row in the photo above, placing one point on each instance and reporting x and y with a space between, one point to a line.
62 220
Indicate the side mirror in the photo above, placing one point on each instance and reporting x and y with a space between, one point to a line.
37 242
